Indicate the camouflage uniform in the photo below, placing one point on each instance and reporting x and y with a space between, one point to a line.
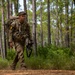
18 34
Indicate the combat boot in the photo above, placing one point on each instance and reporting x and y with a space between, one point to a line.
12 67
23 67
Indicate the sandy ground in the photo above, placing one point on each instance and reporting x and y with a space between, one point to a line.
37 72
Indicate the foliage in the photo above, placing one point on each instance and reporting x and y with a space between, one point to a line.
35 63
49 57
10 54
3 63
52 57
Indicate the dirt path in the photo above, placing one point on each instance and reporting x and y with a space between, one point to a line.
37 72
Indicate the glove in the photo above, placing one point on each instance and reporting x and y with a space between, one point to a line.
11 44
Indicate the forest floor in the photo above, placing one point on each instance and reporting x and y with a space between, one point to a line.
37 72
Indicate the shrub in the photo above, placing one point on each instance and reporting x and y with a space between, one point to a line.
35 63
3 63
42 52
57 57
49 57
10 54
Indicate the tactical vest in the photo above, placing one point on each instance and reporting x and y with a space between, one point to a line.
18 31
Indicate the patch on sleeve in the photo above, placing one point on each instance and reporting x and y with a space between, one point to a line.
11 27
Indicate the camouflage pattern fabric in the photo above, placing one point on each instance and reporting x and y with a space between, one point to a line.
19 31
19 56
18 34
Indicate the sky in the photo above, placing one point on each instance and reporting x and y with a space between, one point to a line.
21 3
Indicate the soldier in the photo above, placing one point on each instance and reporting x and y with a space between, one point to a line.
18 33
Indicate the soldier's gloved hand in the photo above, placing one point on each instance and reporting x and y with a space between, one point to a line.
31 42
11 44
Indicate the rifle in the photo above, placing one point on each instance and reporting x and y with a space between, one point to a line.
29 49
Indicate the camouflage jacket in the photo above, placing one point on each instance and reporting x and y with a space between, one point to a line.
19 31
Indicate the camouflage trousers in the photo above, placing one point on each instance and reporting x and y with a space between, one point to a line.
19 56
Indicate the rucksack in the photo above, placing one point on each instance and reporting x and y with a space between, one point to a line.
18 36
8 23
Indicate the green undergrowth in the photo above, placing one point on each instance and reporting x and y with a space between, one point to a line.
3 63
48 57
52 57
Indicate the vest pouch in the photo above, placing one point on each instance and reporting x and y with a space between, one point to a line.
17 36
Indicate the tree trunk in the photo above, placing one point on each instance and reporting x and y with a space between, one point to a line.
3 33
71 25
25 9
61 32
67 26
34 27
9 8
41 28
57 29
16 6
1 50
49 28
